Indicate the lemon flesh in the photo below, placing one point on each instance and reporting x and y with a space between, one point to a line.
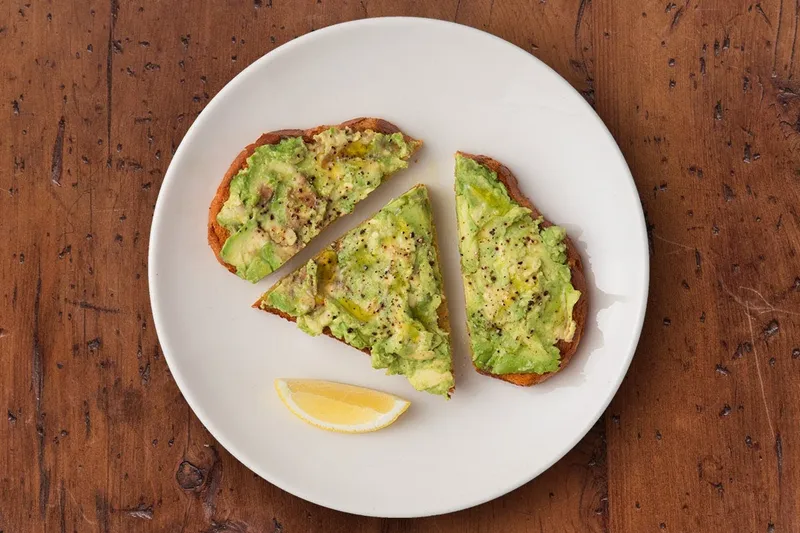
339 407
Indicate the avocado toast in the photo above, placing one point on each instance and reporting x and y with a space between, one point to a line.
523 278
282 190
378 289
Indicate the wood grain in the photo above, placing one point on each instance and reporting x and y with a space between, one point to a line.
703 434
703 98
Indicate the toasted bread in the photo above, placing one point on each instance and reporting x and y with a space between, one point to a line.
579 311
441 311
217 234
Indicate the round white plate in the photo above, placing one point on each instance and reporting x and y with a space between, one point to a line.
457 89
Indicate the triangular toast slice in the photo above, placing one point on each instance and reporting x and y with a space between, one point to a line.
379 289
524 285
282 190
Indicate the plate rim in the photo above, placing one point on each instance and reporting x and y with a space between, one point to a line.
159 214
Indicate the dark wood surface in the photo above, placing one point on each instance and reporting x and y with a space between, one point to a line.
703 97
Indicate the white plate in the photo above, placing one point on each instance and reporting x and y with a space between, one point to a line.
458 89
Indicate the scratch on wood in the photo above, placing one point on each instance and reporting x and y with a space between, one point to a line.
794 37
113 10
62 518
779 456
582 66
758 370
749 305
777 37
37 372
57 163
786 94
579 19
37 379
767 308
727 192
87 420
458 6
213 484
676 18
83 304
101 510
141 511
144 373
760 11
599 465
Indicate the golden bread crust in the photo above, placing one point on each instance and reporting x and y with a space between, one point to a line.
581 309
217 235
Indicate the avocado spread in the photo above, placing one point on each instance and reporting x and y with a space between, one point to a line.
291 190
516 279
379 288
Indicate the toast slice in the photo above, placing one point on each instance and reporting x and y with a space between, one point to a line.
284 189
378 289
523 277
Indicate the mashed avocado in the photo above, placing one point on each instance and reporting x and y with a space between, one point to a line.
516 279
291 190
379 288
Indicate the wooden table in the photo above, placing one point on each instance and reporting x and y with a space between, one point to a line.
703 96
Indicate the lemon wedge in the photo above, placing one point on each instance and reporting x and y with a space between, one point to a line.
339 407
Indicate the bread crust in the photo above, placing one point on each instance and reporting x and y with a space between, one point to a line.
581 308
217 234
442 311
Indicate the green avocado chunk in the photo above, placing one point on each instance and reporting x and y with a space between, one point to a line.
379 288
517 283
291 190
